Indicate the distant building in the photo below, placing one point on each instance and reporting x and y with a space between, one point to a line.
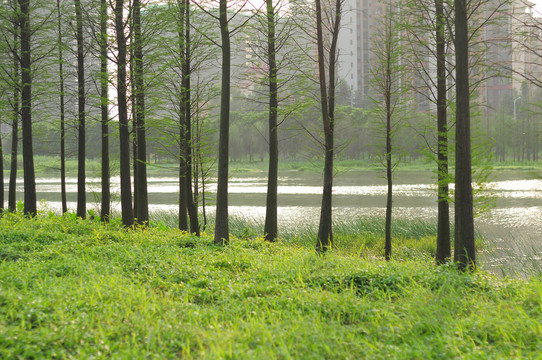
359 21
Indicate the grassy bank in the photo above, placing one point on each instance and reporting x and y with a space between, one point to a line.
78 289
49 166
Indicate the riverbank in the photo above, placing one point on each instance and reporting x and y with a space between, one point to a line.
79 289
49 166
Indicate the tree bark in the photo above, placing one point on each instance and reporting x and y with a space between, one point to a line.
443 252
104 95
221 223
387 98
389 165
183 142
192 208
327 101
271 221
62 114
142 212
124 132
464 253
81 156
12 194
30 208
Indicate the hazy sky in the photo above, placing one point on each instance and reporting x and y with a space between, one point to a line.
538 6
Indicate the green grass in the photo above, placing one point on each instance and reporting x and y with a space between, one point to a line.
49 166
361 237
78 289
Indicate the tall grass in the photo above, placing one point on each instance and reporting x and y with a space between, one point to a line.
362 236
514 257
73 289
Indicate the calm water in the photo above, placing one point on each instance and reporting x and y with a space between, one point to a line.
513 227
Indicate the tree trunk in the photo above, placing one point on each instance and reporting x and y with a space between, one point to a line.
12 194
140 186
192 208
183 142
271 221
221 224
389 165
464 253
133 137
124 132
81 177
327 101
443 227
30 208
62 115
104 95
389 173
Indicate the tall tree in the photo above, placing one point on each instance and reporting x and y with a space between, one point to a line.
104 101
429 34
186 196
62 111
464 250
389 80
429 39
30 207
443 252
81 114
273 60
12 201
327 104
189 88
222 234
140 175
271 221
183 168
124 131
224 20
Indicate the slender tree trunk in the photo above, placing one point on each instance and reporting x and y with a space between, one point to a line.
133 137
142 212
443 231
389 164
183 196
124 132
81 177
183 142
271 221
30 208
62 115
12 194
192 208
221 224
327 100
389 172
464 253
104 95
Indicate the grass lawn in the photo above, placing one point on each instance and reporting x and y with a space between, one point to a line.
78 289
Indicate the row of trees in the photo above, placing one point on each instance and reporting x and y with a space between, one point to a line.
159 59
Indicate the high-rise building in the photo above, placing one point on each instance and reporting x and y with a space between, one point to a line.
360 20
512 50
508 41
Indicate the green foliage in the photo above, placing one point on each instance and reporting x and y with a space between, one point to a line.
74 288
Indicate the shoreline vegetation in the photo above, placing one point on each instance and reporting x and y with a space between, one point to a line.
49 166
72 288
